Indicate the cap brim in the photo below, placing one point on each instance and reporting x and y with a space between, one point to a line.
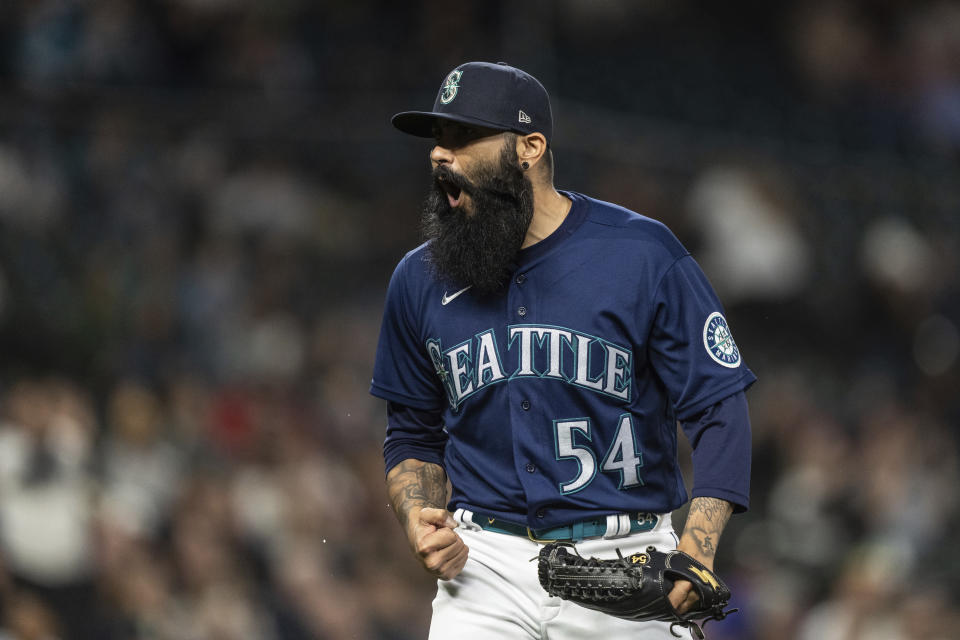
420 123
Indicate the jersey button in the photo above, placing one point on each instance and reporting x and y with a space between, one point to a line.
530 467
541 513
522 311
525 405
521 278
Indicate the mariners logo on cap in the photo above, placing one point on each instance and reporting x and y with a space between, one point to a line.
450 86
718 341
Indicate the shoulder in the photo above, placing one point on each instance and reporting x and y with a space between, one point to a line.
621 226
412 268
413 279
415 257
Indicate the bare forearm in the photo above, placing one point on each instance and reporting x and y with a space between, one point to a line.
705 523
413 485
418 493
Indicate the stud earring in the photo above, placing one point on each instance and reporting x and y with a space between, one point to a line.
524 165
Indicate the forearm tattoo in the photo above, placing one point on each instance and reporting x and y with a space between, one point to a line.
705 522
413 483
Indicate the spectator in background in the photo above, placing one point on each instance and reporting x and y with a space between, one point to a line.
141 468
750 237
46 502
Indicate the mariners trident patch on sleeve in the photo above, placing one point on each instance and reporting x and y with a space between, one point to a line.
718 341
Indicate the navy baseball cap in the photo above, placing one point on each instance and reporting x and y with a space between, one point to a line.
491 95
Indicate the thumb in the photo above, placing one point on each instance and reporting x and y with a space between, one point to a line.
438 518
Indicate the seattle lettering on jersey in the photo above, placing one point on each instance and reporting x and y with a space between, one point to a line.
535 351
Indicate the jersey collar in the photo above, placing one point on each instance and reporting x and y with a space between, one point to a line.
575 217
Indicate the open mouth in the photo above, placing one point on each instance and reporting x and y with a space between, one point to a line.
453 191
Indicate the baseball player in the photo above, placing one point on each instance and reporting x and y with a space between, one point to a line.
537 352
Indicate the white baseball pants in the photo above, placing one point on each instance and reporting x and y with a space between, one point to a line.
498 596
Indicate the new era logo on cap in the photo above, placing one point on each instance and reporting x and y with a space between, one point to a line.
488 95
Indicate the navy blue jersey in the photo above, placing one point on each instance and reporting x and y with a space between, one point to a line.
559 398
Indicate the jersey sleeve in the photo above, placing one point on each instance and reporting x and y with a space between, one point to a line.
691 346
413 433
720 437
402 371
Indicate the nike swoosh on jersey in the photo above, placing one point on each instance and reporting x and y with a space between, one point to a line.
448 299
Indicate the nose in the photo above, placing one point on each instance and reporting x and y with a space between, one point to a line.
441 155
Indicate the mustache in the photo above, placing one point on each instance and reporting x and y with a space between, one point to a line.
442 173
488 182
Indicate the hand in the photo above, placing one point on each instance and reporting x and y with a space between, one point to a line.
439 549
683 597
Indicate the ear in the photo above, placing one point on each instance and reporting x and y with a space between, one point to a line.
530 148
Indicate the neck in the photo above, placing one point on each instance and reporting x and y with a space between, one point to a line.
550 209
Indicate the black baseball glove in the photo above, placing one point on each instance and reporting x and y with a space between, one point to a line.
634 587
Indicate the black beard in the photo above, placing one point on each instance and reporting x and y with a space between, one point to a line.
478 250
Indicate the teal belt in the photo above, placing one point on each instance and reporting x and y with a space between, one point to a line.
572 532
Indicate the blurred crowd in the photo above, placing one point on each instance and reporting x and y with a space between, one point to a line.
201 202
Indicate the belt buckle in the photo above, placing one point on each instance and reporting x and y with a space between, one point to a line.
537 540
